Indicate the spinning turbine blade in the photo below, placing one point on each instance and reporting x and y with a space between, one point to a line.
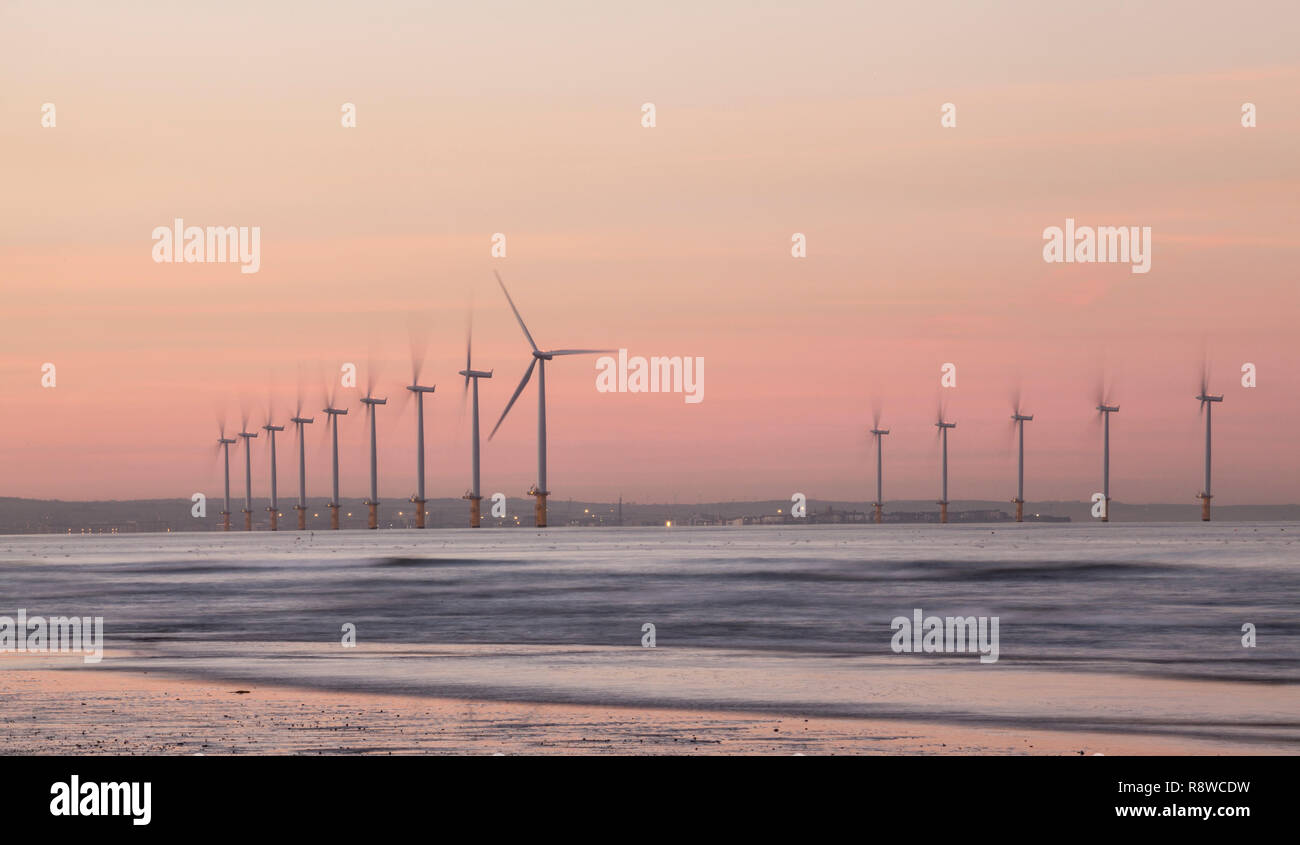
518 390
1205 384
469 343
516 310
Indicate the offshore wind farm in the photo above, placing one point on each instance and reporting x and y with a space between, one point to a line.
539 490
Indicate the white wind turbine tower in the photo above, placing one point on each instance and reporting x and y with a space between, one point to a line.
540 358
943 435
473 495
879 434
224 443
275 497
299 421
1207 401
419 390
332 415
1019 420
248 476
372 503
1105 410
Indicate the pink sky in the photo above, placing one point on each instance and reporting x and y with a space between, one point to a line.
924 243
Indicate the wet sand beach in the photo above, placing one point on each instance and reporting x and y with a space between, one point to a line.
89 712
76 710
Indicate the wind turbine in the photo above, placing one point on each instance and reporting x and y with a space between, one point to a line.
471 374
299 421
248 477
1106 411
879 433
333 415
943 434
224 443
419 391
373 502
1207 400
540 358
275 499
1019 420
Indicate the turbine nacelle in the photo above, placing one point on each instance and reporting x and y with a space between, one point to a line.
302 420
941 424
416 388
247 435
879 431
1207 397
370 400
1022 417
467 373
1108 409
269 427
335 411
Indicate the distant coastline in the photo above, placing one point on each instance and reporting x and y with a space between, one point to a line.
53 516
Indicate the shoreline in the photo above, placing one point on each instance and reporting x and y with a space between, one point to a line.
91 712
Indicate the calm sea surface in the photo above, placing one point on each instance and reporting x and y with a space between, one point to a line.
1162 600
